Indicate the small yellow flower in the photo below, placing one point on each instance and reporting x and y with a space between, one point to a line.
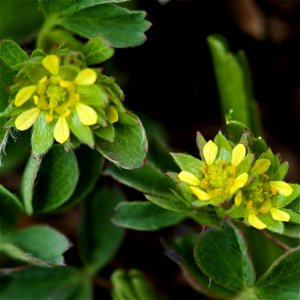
56 99
218 178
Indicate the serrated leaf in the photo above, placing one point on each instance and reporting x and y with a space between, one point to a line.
221 254
42 136
188 163
144 216
128 150
281 281
97 50
180 250
99 238
40 283
10 206
38 245
12 54
119 26
67 7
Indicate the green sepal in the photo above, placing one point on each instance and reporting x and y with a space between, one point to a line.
12 54
281 201
69 72
82 132
97 50
93 95
107 133
245 164
42 135
224 147
34 70
145 216
200 141
188 163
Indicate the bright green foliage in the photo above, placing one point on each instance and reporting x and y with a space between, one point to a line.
141 215
99 238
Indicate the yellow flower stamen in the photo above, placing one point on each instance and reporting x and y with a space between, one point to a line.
281 187
279 215
86 77
210 151
238 154
239 182
256 222
86 114
51 64
24 95
112 114
27 118
201 195
188 178
61 130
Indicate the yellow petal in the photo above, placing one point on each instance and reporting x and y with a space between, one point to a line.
51 64
261 166
256 222
238 154
281 187
86 114
279 215
238 199
188 178
27 118
210 151
201 195
86 77
24 94
61 130
239 182
112 114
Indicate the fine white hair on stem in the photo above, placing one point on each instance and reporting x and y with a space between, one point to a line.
9 132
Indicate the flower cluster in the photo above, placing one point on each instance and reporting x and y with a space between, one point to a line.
229 178
65 98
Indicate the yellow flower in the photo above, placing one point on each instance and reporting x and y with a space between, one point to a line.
257 197
57 99
218 178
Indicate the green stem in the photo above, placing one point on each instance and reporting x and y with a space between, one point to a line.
42 38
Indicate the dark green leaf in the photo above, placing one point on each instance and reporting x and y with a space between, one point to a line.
67 7
97 50
221 254
9 207
129 148
12 54
145 216
42 136
40 283
281 281
90 163
119 26
55 181
99 238
180 250
38 245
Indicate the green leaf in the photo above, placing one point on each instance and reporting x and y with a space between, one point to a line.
188 163
107 133
145 216
147 179
132 285
6 79
40 283
90 163
37 245
82 132
99 238
67 7
221 254
42 136
180 250
129 148
281 281
224 148
119 26
12 54
10 206
97 50
281 201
